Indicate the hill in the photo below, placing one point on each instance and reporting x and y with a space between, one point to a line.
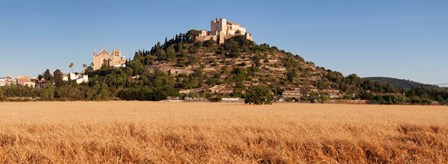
185 68
400 83
204 69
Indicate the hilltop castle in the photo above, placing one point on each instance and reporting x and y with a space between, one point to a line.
105 58
221 29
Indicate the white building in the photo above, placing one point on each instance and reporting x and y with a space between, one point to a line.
5 81
2 81
25 81
76 77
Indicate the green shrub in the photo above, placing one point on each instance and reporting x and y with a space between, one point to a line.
215 99
259 95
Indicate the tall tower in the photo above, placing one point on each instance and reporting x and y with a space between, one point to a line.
96 60
116 52
222 26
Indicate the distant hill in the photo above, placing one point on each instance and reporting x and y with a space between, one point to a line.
231 68
399 83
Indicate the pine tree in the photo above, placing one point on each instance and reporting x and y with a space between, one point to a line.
47 75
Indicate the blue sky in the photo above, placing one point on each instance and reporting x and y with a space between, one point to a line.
406 39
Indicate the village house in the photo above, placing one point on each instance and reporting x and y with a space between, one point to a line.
5 81
22 81
221 29
39 83
25 81
116 59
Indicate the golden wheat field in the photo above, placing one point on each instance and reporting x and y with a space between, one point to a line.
168 132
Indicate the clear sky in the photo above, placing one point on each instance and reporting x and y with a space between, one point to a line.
406 39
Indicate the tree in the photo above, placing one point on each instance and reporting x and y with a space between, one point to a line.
191 35
259 95
238 90
47 75
58 78
233 48
103 92
48 93
291 74
84 66
40 77
321 85
215 99
153 86
256 60
71 66
171 53
209 43
198 44
192 59
136 66
1 94
161 55
88 70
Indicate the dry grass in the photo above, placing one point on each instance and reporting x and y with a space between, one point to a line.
163 132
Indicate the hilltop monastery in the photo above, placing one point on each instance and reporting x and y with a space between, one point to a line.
221 29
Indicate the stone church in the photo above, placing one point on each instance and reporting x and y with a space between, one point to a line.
105 58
